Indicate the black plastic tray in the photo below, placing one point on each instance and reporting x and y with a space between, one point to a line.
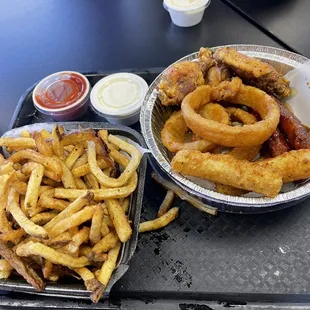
75 289
230 258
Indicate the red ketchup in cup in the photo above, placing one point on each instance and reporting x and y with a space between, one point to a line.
63 96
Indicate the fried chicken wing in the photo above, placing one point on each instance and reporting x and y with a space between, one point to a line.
179 80
217 74
253 71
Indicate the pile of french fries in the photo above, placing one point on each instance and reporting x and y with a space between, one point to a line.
64 200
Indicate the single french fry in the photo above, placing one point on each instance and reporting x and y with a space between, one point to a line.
45 134
57 147
29 227
32 193
72 208
19 186
47 201
104 245
160 222
27 168
109 266
104 229
91 283
26 271
84 250
6 167
125 204
108 221
130 168
41 144
56 257
67 177
13 236
166 204
81 161
5 269
74 220
91 181
79 238
47 269
49 162
77 151
43 218
85 168
44 188
78 137
21 143
80 183
100 194
59 241
119 219
4 189
95 228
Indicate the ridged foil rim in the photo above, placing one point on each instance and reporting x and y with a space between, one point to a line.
263 52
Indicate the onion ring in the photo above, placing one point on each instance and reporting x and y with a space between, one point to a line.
215 112
174 133
248 135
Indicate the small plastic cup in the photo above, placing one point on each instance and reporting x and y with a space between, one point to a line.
186 13
64 96
118 98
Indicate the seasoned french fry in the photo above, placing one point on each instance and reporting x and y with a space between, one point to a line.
104 228
84 250
50 182
166 204
25 134
81 161
100 194
95 228
80 183
41 144
6 167
32 193
13 236
109 265
26 271
22 220
67 177
47 202
104 245
119 219
4 189
74 220
130 168
27 168
78 137
91 283
5 269
45 134
43 218
47 269
79 238
91 181
74 207
125 204
20 143
57 147
74 155
160 222
59 241
48 162
19 186
56 257
21 177
85 169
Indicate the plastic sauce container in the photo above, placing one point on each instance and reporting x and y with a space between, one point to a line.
118 98
63 96
186 13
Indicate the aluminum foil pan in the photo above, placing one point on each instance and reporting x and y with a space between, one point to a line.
154 115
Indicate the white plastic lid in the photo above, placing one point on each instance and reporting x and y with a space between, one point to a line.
119 94
186 5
